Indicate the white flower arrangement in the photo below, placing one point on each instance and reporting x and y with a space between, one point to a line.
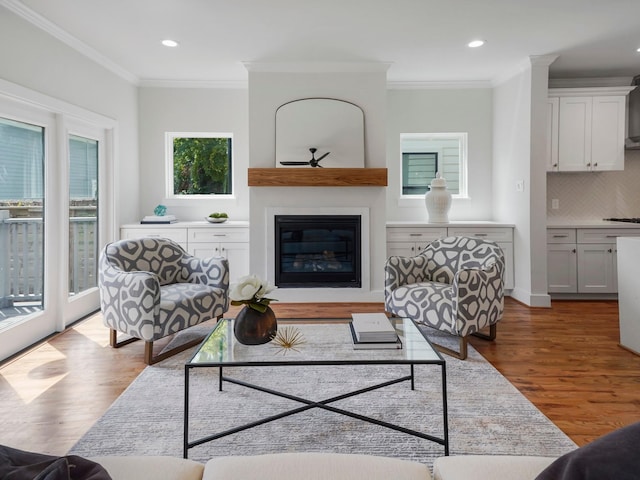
252 292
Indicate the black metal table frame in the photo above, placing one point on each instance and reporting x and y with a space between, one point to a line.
322 404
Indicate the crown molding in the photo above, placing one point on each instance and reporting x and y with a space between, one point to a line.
591 91
316 67
215 84
590 82
542 60
440 85
52 29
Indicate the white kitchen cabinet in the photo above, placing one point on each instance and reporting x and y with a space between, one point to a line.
178 235
597 268
408 241
230 242
562 272
562 268
584 260
553 108
202 239
586 129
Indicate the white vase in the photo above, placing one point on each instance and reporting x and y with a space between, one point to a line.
438 200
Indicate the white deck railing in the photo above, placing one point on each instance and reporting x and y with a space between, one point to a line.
21 258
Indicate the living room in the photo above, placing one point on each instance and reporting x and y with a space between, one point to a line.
503 114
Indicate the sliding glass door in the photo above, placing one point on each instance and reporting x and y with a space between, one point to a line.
52 182
85 152
22 156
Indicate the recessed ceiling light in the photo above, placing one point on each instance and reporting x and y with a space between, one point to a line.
475 43
169 43
638 50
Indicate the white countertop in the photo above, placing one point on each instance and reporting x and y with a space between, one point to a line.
466 223
196 223
559 223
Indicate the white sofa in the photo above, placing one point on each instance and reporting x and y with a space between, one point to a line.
323 466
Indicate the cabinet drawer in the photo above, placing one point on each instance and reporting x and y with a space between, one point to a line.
599 235
561 235
497 234
218 234
178 235
415 234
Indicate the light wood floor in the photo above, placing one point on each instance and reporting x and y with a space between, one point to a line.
565 359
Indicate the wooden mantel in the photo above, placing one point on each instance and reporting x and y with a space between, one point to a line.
317 177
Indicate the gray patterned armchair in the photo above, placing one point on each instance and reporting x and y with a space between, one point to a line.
455 285
151 288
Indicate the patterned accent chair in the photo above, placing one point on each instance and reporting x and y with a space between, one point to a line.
151 288
455 285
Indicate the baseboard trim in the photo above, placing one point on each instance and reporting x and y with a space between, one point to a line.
530 299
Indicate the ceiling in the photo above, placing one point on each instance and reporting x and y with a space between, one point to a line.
422 40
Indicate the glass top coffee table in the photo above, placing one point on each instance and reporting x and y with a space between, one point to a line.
325 344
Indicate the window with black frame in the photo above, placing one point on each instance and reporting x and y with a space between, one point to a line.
426 154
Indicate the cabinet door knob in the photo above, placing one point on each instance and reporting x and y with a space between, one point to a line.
610 250
573 251
595 164
589 164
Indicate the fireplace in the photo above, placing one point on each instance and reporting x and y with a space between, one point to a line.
318 251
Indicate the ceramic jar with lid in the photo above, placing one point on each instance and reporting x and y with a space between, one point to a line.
438 200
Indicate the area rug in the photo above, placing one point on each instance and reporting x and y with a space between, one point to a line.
487 415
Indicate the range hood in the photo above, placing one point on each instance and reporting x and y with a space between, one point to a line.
633 136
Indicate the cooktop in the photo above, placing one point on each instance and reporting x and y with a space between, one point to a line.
628 220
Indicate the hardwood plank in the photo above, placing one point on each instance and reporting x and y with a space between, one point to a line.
566 360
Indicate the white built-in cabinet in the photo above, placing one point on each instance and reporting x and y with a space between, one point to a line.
586 129
583 260
202 239
408 240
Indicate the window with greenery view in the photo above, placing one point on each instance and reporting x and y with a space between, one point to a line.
426 154
201 164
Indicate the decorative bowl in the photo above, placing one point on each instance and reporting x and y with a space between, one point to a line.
215 220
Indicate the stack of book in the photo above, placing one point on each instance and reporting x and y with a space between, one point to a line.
373 330
159 219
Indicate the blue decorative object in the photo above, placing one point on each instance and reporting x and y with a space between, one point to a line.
160 210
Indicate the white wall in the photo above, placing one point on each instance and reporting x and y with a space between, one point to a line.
45 73
33 59
164 110
519 139
269 90
434 111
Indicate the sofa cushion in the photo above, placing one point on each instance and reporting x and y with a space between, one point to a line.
150 468
489 467
313 466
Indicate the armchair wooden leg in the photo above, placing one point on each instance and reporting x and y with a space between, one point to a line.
150 359
113 339
492 333
461 354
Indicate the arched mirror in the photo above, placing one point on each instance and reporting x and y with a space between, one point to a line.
319 132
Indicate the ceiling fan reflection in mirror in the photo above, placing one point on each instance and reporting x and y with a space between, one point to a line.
314 162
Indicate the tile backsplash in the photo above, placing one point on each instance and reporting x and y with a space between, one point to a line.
594 196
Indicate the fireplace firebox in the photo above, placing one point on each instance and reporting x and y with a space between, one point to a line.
318 251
